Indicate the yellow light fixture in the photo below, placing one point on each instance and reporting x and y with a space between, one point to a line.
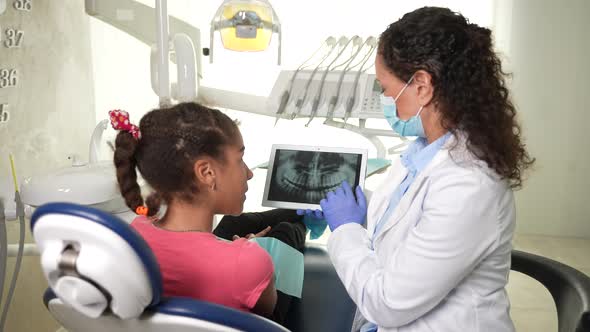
245 26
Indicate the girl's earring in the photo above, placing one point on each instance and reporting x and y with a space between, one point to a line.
213 187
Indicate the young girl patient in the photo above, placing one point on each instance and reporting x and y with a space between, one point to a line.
191 156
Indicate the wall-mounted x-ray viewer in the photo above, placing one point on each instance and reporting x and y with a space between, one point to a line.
299 177
245 26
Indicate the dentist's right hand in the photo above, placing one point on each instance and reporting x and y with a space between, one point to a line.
341 207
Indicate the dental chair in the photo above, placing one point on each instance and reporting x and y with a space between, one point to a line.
103 277
569 288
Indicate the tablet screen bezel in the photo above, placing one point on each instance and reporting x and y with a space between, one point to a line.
297 205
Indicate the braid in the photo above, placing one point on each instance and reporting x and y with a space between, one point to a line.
153 202
125 147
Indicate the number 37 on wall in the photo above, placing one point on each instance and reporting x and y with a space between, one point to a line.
13 38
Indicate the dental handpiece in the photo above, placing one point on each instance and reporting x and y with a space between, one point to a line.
330 41
352 99
349 105
334 99
316 103
301 101
284 100
332 106
314 108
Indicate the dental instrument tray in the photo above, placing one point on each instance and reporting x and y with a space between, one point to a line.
299 177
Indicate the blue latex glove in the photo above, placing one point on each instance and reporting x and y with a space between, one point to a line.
314 221
341 207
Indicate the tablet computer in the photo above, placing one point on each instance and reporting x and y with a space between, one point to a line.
299 177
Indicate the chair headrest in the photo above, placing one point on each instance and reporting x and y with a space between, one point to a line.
93 260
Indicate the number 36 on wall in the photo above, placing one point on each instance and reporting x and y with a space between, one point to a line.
8 78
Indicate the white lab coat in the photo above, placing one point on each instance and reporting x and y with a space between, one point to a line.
442 259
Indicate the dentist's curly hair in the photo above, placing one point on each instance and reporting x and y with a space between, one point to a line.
469 83
171 140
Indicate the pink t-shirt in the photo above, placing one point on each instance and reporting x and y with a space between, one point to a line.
200 266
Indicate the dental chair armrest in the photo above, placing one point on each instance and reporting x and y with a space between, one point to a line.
186 307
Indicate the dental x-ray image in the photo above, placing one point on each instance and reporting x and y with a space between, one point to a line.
307 176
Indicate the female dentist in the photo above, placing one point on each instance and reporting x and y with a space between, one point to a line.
435 253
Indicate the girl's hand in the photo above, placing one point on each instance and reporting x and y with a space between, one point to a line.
262 233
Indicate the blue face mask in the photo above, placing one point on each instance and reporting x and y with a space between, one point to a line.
410 127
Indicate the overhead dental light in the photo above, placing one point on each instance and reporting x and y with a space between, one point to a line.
245 26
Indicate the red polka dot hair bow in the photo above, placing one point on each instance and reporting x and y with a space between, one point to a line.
120 121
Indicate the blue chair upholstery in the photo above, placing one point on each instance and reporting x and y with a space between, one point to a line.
325 305
199 310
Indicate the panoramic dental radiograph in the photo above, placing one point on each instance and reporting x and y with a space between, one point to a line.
307 176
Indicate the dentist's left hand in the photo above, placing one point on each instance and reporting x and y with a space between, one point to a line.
341 207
